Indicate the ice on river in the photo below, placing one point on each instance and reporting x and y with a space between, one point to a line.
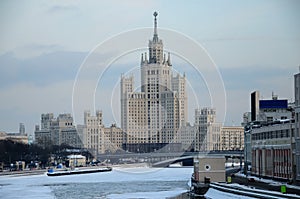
141 182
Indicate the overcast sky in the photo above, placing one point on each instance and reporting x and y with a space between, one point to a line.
255 45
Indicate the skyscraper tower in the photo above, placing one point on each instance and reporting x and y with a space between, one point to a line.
153 115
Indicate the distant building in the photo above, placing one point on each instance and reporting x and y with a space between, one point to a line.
76 160
297 123
271 149
207 130
264 113
15 137
186 136
246 118
270 138
93 133
232 138
115 137
269 110
22 129
152 117
43 137
57 131
99 139
254 105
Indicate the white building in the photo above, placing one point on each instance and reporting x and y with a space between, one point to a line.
153 116
208 130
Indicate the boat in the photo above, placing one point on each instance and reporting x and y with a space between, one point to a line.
199 188
52 172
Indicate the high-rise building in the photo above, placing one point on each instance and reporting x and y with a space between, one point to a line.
208 130
153 116
254 105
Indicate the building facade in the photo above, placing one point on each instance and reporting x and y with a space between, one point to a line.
153 116
271 150
99 139
297 124
232 138
208 131
93 133
57 131
271 138
15 137
186 137
115 138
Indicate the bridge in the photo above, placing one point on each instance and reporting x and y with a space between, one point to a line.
165 159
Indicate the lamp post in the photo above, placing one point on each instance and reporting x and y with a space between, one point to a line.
247 143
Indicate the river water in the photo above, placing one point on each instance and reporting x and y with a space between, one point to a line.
140 182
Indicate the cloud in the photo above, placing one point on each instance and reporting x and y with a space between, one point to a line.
239 83
62 8
44 69
24 102
35 49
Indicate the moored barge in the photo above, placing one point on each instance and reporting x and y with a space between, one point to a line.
52 172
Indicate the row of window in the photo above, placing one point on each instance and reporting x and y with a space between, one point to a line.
156 72
272 134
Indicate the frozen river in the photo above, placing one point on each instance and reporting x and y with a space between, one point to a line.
120 183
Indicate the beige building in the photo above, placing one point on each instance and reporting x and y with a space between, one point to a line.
97 138
93 133
212 168
115 138
208 130
76 160
153 116
232 138
186 136
15 137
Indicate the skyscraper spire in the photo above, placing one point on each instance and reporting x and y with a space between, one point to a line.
155 36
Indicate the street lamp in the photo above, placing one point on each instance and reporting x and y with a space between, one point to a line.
247 143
